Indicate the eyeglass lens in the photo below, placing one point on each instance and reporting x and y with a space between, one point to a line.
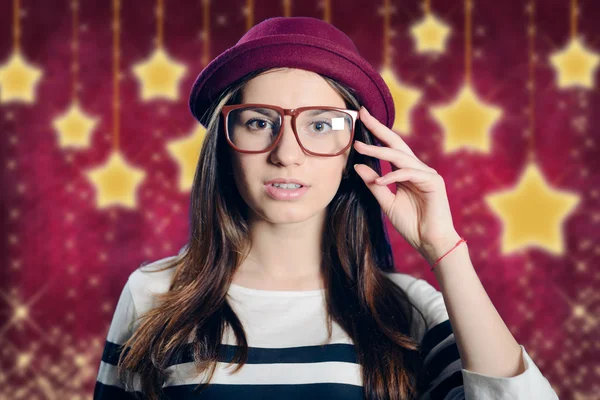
320 130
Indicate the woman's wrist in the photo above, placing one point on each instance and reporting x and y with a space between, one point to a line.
434 250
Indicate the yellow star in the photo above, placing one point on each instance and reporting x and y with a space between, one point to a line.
74 127
18 80
575 65
533 213
405 98
159 76
116 182
430 34
467 121
185 152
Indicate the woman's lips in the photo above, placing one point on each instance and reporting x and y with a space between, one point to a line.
285 194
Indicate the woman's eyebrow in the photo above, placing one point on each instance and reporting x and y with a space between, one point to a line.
262 110
320 111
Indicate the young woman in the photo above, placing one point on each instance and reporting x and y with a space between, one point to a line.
287 286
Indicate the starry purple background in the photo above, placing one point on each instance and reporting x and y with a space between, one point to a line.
69 261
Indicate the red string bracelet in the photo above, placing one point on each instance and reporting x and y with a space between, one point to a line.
455 246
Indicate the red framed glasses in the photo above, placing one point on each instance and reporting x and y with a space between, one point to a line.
320 130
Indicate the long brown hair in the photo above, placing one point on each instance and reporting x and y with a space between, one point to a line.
374 311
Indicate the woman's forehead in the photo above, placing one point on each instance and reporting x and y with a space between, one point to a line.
291 88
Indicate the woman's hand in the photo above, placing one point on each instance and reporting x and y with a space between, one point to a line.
419 208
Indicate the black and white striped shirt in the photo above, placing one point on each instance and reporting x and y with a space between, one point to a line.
284 331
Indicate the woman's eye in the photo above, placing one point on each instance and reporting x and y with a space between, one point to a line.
320 125
261 123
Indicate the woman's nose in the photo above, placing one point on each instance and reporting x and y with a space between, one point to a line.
288 149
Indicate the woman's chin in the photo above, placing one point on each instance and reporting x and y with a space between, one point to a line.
287 216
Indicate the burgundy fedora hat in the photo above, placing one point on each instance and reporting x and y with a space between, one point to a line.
296 42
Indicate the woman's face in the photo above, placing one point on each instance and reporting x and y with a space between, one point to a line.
291 88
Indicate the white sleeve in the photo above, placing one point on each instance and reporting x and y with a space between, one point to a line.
530 384
121 328
446 378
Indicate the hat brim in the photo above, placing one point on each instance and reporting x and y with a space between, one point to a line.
294 51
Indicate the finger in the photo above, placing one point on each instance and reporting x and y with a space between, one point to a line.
416 176
386 135
383 194
396 157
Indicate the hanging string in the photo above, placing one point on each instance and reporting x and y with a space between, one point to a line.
75 65
116 61
468 40
574 18
160 9
16 26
